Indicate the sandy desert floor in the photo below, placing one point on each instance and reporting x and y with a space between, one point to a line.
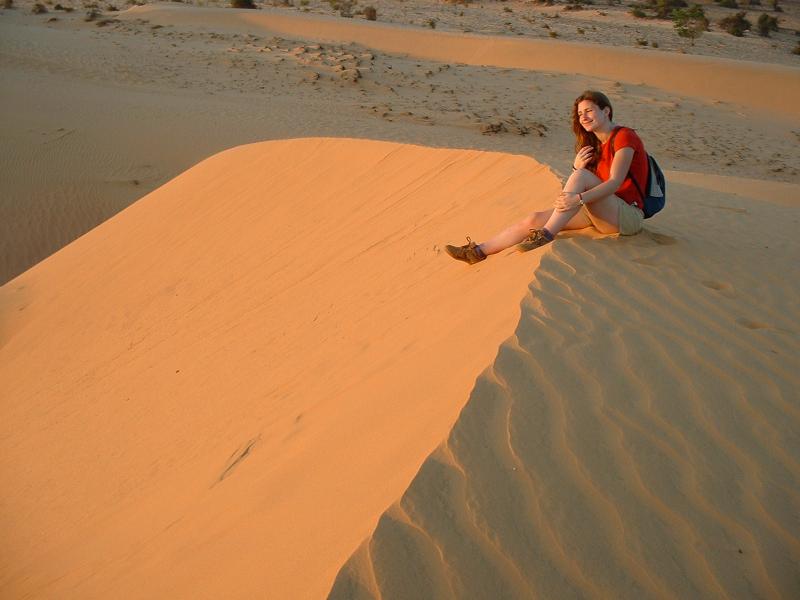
235 362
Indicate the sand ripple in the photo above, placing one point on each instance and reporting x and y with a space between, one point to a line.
635 438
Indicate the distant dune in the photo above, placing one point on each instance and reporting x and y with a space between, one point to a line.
757 85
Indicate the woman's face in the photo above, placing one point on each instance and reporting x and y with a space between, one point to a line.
590 115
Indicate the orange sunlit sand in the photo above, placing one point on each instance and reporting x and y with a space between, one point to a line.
265 378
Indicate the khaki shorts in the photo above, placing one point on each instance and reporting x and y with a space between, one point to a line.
631 218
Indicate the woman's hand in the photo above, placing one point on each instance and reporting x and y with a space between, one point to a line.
566 201
583 157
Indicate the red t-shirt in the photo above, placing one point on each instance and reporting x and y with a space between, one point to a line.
625 138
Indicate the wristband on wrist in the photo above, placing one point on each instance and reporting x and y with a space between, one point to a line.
580 199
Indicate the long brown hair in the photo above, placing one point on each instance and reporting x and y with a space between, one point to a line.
588 138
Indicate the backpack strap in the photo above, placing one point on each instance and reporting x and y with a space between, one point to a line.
633 179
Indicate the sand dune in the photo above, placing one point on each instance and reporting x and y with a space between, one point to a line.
635 438
218 391
757 85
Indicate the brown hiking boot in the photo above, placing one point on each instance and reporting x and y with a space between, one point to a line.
535 239
470 253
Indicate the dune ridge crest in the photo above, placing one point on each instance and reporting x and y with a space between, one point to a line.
250 362
635 438
757 85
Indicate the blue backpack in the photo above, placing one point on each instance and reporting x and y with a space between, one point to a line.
656 187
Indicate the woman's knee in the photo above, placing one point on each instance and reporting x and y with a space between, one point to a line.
584 178
536 220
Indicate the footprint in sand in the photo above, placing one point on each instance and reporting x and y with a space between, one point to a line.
660 238
741 211
650 261
658 259
751 324
726 289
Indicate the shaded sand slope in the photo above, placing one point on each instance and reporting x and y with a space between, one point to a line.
757 85
216 393
637 437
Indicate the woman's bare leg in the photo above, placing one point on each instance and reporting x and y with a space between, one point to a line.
579 181
517 232
603 213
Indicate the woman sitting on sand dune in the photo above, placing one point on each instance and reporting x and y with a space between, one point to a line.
600 192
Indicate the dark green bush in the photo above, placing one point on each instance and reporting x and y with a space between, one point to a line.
728 4
736 24
664 8
690 22
243 4
765 24
371 13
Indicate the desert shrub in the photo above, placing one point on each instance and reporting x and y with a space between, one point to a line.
431 23
736 24
728 4
751 2
638 13
796 49
371 13
39 9
8 3
664 8
690 22
112 8
243 4
91 15
553 34
765 24
774 5
580 31
654 44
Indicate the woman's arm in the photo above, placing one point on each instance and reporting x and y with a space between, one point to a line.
619 170
620 166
